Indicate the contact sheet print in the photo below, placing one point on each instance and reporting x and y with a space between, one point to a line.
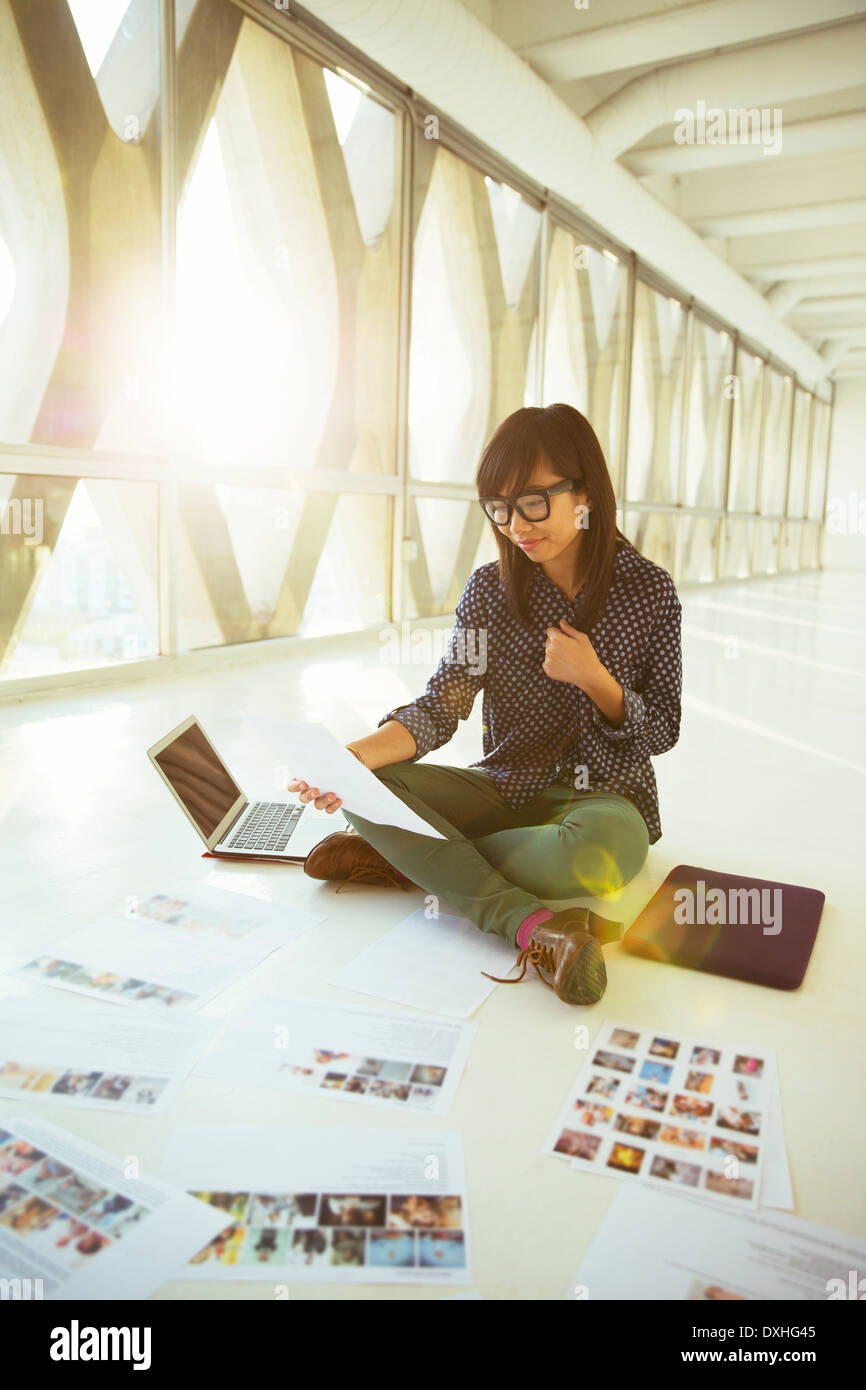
83 1223
645 1250
75 1053
324 1203
168 951
367 1056
680 1113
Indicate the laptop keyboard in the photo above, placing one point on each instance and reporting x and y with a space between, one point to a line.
267 826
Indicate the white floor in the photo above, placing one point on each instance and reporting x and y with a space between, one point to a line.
767 779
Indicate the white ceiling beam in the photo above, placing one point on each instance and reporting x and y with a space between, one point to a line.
763 76
759 256
781 219
810 181
806 270
847 369
784 294
843 249
831 285
833 354
851 334
674 32
846 132
833 304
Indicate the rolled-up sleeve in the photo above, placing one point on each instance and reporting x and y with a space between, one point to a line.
432 719
653 712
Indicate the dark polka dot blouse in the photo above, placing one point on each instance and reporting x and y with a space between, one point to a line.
537 730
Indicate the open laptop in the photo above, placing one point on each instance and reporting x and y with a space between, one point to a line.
230 825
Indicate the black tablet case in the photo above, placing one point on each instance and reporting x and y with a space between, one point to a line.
740 950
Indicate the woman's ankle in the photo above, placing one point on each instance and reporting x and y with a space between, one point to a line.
528 925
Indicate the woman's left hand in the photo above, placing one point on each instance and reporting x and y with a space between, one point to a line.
570 656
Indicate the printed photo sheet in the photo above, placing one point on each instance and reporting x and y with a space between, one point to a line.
655 1246
326 1204
368 1056
170 951
105 1059
84 1223
454 952
686 1114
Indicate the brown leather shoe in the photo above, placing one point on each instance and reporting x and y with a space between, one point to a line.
346 856
567 946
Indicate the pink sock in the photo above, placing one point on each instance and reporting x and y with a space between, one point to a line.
526 927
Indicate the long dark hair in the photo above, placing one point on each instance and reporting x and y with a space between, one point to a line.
570 444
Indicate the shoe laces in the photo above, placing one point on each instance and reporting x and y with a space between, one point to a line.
536 955
369 873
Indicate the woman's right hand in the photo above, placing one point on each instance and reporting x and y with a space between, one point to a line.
324 801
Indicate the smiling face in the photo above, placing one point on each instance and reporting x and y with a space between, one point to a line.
558 537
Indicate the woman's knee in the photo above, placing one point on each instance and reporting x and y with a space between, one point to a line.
634 848
609 853
393 775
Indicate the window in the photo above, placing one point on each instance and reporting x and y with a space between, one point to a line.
799 453
711 389
585 341
746 440
776 442
474 321
657 373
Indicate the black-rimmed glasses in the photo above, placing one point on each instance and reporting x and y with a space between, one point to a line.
532 506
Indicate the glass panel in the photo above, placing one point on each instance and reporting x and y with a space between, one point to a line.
78 573
279 562
799 453
792 534
737 549
766 546
287 258
80 263
747 433
777 432
655 397
652 533
818 463
585 346
349 590
474 308
698 544
452 538
811 537
710 394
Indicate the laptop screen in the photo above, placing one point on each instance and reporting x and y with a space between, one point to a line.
199 778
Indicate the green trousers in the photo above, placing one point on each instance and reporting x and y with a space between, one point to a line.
497 865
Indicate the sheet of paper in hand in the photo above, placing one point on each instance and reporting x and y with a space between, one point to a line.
315 756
